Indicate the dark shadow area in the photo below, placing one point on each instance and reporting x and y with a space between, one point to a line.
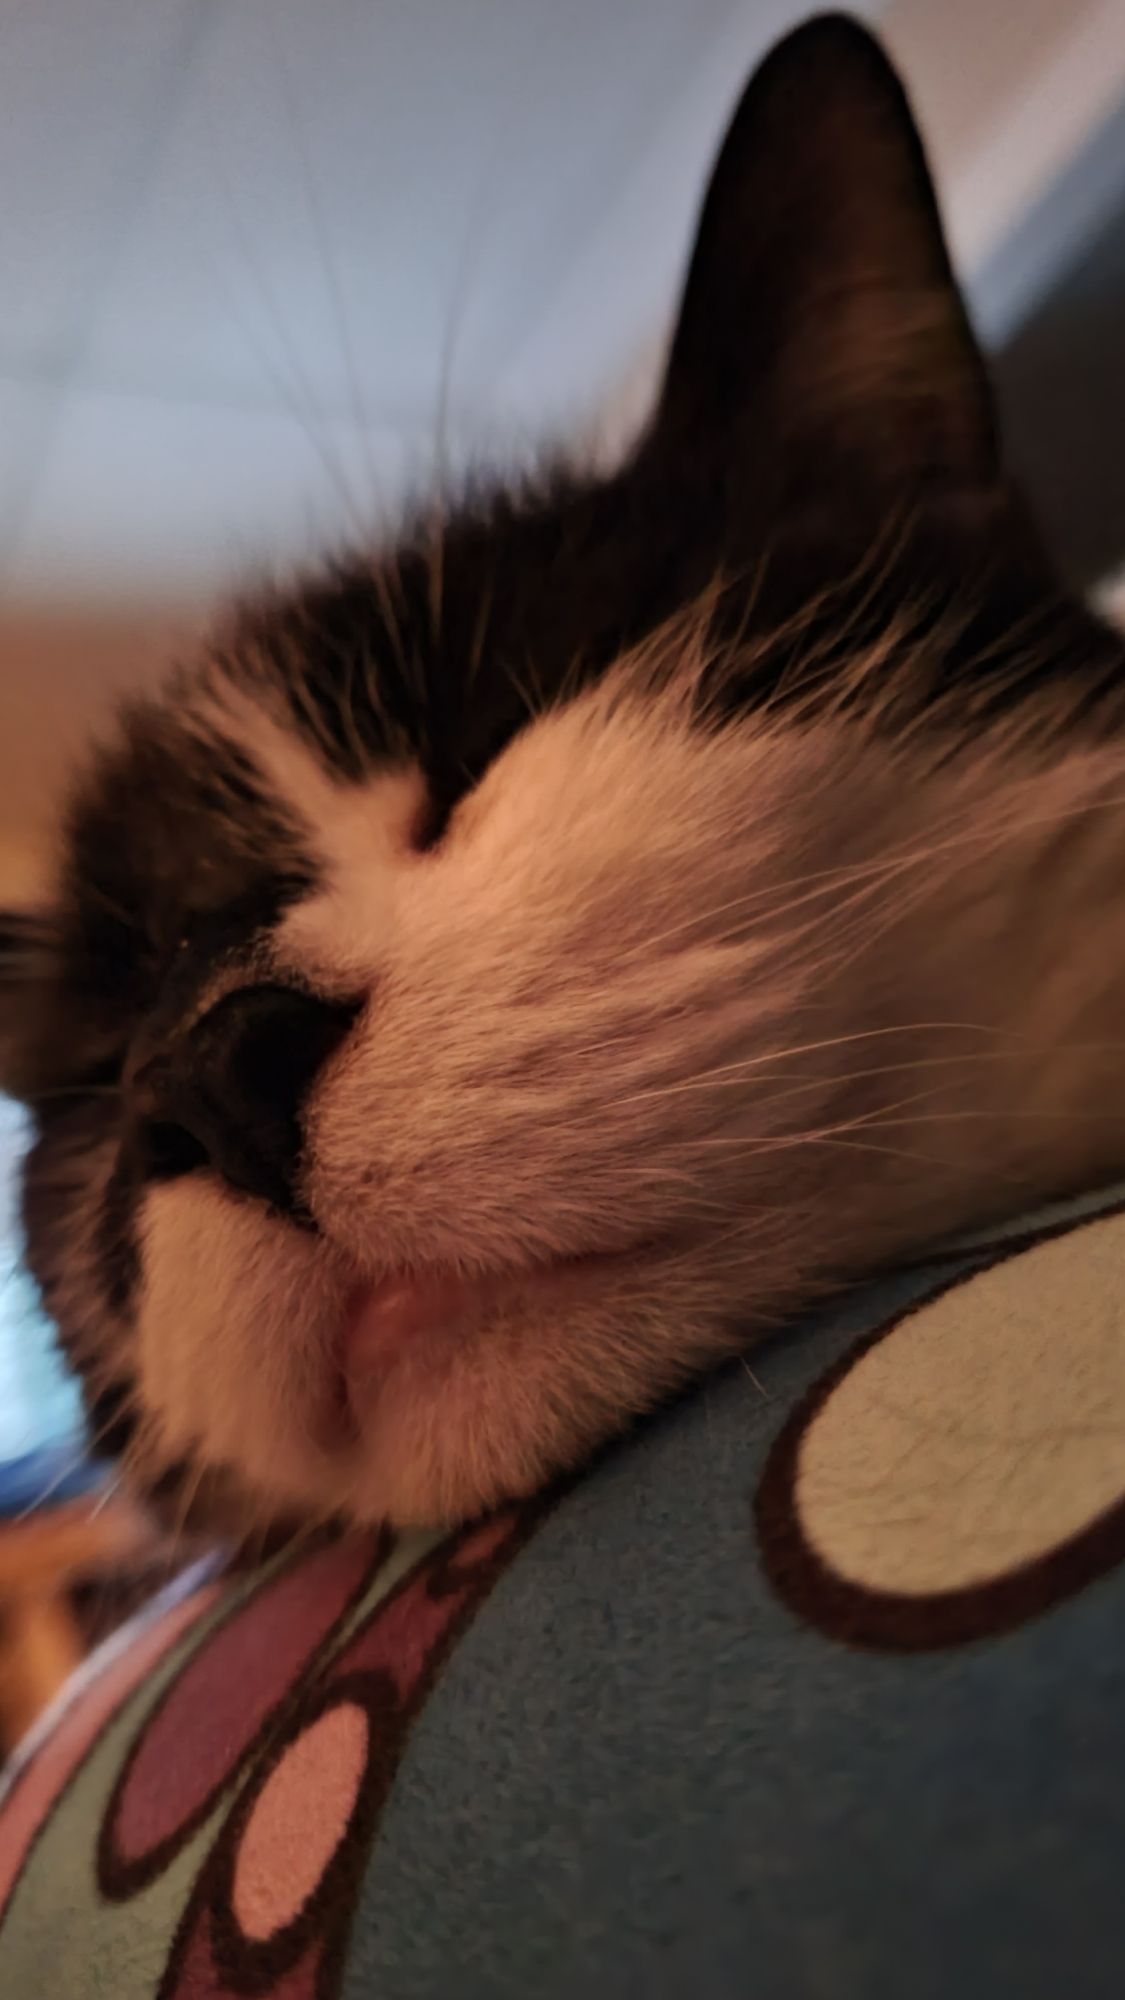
1061 376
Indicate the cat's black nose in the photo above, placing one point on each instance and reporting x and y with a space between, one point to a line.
229 1093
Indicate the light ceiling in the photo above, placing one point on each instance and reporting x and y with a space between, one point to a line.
265 263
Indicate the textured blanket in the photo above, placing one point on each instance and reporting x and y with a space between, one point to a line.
815 1686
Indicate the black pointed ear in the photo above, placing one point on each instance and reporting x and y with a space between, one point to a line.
821 323
26 953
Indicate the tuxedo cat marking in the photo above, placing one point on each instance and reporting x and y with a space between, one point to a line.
508 971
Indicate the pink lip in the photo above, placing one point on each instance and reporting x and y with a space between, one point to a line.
384 1318
381 1322
405 1314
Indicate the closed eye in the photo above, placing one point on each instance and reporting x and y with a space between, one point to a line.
101 1079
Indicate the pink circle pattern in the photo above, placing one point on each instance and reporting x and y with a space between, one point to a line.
285 1676
224 1701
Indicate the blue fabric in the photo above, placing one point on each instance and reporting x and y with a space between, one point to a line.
46 1478
642 1775
652 1764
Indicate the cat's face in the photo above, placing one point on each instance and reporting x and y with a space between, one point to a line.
410 1040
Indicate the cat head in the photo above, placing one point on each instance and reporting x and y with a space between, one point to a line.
398 1026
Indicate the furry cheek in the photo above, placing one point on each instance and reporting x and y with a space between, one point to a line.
557 976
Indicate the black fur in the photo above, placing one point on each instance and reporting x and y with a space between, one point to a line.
822 465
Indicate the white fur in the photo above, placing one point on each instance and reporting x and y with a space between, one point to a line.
757 1008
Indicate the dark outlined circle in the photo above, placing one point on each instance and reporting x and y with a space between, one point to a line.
855 1614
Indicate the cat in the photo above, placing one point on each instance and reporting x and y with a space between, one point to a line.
509 971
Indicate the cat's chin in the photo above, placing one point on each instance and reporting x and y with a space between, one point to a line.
468 1414
418 1399
417 1319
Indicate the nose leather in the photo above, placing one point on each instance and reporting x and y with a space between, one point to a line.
229 1094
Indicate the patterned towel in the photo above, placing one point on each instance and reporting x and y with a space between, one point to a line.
814 1687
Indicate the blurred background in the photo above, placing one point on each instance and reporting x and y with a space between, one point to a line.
269 266
266 265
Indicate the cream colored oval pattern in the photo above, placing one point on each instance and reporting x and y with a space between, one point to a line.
983 1430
